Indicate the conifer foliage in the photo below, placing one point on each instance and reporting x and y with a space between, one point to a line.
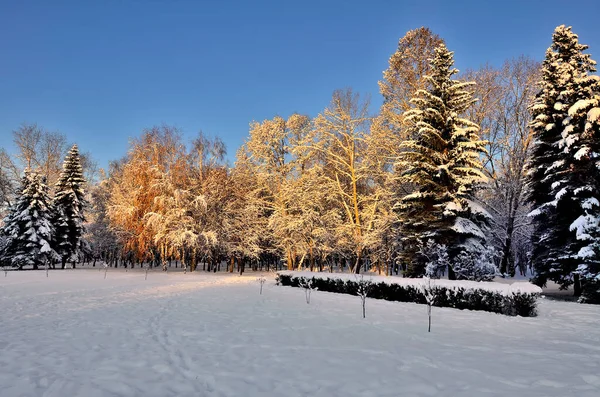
27 228
68 205
441 161
563 169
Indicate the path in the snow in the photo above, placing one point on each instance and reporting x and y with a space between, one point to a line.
76 334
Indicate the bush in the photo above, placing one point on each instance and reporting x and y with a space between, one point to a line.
514 303
475 265
591 292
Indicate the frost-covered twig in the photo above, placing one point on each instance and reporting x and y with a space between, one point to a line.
309 287
261 280
364 287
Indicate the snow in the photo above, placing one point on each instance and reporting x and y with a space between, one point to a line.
451 208
76 334
466 226
582 104
584 151
594 115
561 193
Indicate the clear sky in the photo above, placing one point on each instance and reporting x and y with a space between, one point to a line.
102 71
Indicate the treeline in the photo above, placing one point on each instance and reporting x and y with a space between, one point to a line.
441 180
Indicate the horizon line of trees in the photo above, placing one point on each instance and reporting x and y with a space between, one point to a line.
491 173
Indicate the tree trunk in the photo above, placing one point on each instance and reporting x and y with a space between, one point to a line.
506 249
451 274
357 264
576 285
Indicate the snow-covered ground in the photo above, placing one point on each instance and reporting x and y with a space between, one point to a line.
77 334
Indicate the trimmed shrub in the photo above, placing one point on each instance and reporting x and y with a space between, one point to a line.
513 303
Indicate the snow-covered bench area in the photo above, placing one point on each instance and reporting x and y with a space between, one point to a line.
523 287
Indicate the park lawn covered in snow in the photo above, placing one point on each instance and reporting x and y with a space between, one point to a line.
78 334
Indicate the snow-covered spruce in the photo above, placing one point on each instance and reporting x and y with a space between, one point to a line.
517 299
67 206
27 228
563 177
582 142
442 160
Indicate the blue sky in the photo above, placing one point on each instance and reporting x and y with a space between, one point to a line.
102 71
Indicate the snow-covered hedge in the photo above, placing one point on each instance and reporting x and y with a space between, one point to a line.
517 299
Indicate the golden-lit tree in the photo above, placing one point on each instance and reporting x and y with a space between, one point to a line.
152 179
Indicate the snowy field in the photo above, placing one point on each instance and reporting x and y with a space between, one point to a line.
76 334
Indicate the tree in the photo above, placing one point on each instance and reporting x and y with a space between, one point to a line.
27 138
502 110
143 191
559 163
246 220
41 150
8 180
341 133
268 156
442 162
68 207
28 228
100 237
211 183
581 184
581 140
405 76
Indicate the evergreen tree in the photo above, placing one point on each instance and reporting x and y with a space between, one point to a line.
27 228
581 140
562 166
441 161
68 205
